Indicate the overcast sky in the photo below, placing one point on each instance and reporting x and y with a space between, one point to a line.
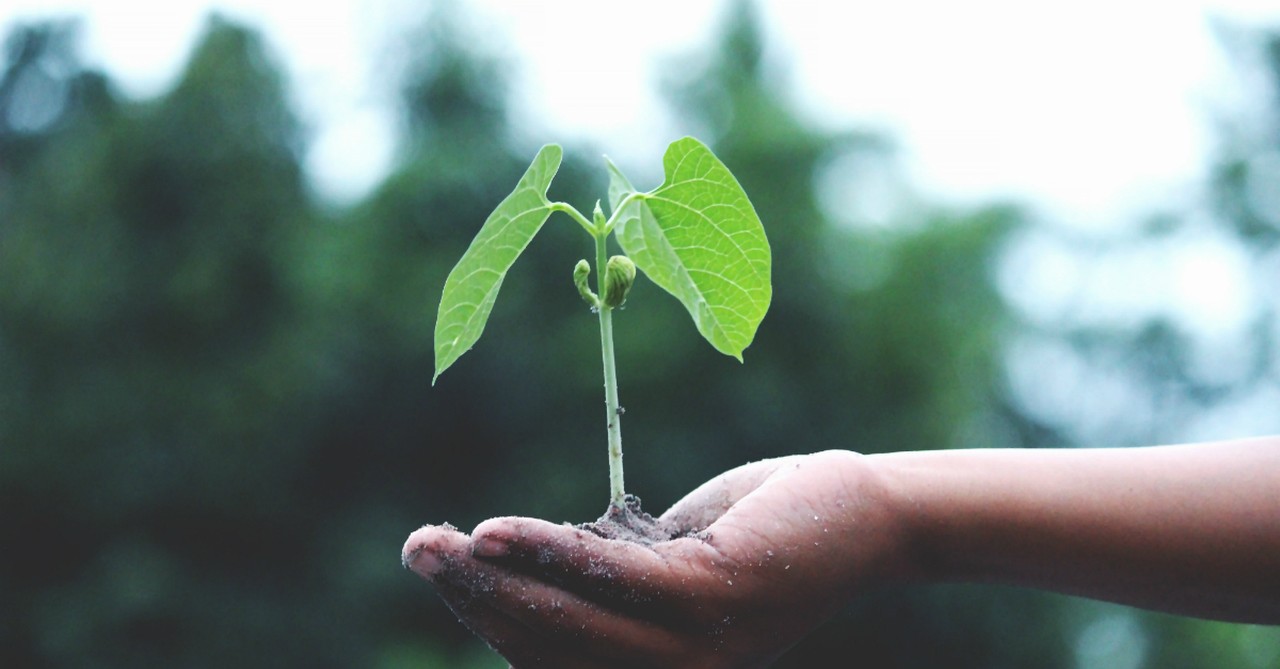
1090 109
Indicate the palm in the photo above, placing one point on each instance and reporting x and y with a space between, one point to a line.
769 556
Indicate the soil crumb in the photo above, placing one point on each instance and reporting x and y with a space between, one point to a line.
631 523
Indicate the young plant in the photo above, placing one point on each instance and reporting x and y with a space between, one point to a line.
696 236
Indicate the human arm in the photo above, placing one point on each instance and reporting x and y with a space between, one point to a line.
1193 529
1190 529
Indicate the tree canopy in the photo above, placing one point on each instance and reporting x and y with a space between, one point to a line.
217 423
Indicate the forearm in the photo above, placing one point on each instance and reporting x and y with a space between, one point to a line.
1185 529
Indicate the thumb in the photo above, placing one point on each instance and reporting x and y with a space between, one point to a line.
708 502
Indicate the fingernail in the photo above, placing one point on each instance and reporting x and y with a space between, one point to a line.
421 560
486 547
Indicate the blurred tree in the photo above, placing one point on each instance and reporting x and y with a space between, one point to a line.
387 451
150 380
1247 174
216 416
43 88
202 358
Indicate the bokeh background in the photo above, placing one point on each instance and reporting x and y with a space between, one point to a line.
217 423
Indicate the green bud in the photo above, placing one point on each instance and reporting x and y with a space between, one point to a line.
598 216
580 273
619 274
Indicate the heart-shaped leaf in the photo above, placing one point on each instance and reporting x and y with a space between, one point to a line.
698 237
473 285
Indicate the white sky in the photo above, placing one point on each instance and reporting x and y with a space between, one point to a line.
1090 109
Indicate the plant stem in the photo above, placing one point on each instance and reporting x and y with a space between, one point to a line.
575 215
614 413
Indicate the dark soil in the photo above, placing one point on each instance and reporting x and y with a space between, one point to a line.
631 523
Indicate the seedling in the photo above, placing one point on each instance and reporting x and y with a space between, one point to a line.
696 236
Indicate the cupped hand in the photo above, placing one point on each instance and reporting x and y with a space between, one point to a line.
767 551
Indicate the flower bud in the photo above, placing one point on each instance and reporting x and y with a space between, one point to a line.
580 273
619 274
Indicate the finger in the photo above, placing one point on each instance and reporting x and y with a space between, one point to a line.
442 555
519 643
563 624
618 574
530 622
429 547
708 502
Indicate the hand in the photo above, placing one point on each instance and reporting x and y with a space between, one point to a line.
769 551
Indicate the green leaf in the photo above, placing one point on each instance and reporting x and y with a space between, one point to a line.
698 237
473 285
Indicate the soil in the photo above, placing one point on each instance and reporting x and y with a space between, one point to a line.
631 523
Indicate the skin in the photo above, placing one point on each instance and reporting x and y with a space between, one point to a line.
780 545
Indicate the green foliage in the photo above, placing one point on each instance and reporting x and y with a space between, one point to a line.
216 423
698 237
473 285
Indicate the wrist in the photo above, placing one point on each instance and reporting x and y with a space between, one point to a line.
906 487
881 523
